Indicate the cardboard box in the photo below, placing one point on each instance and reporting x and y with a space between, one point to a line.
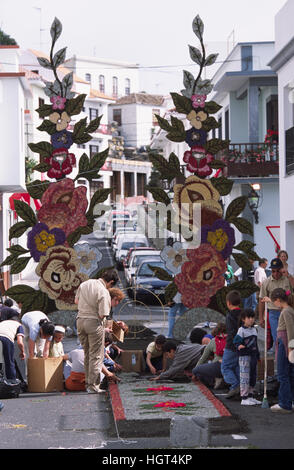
117 331
270 368
45 375
132 360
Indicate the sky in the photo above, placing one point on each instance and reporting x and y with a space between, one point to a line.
153 33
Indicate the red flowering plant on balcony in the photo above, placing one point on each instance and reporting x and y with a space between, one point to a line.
66 211
272 137
201 278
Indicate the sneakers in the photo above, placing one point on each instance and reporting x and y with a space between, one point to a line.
95 389
278 409
250 402
234 392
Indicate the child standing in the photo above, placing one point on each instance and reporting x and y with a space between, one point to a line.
246 343
230 362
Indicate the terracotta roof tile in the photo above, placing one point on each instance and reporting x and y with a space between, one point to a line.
141 98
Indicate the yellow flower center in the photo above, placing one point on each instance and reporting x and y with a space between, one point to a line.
218 239
44 240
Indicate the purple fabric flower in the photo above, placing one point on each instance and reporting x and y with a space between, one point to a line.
40 238
196 137
62 139
221 236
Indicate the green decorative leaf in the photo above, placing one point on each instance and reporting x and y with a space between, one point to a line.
42 167
163 123
176 136
80 128
9 260
170 291
43 148
48 127
30 298
44 110
18 229
98 160
67 83
183 105
242 261
195 55
198 27
246 288
221 299
19 291
84 163
75 105
37 188
94 125
17 250
159 195
59 57
214 146
25 212
99 196
211 107
211 59
55 30
74 237
174 164
209 124
222 185
169 170
236 207
243 225
160 273
82 139
44 62
189 81
245 246
19 265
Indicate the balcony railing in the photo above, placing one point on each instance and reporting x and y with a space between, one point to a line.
251 160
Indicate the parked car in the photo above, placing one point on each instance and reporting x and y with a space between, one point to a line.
113 215
145 285
127 241
126 223
135 257
120 230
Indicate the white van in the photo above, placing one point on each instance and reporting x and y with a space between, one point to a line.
127 241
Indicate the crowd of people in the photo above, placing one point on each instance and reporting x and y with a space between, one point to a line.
227 357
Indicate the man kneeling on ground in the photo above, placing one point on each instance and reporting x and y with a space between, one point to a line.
184 357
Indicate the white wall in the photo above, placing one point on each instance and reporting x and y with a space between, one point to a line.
284 25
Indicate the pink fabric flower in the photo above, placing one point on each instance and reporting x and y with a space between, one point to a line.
198 161
201 277
64 206
198 101
58 102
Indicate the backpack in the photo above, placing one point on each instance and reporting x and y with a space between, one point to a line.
220 343
8 390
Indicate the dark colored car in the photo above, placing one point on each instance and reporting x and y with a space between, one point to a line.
147 287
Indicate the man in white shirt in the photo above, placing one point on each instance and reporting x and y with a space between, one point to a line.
260 274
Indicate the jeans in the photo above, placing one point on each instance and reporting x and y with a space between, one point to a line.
8 355
248 365
285 377
207 373
176 308
250 302
274 316
230 368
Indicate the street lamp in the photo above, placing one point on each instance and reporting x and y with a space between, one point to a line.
254 200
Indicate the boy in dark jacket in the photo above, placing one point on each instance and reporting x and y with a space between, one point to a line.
230 363
246 343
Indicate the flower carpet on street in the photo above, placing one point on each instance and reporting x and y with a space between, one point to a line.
135 398
65 208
